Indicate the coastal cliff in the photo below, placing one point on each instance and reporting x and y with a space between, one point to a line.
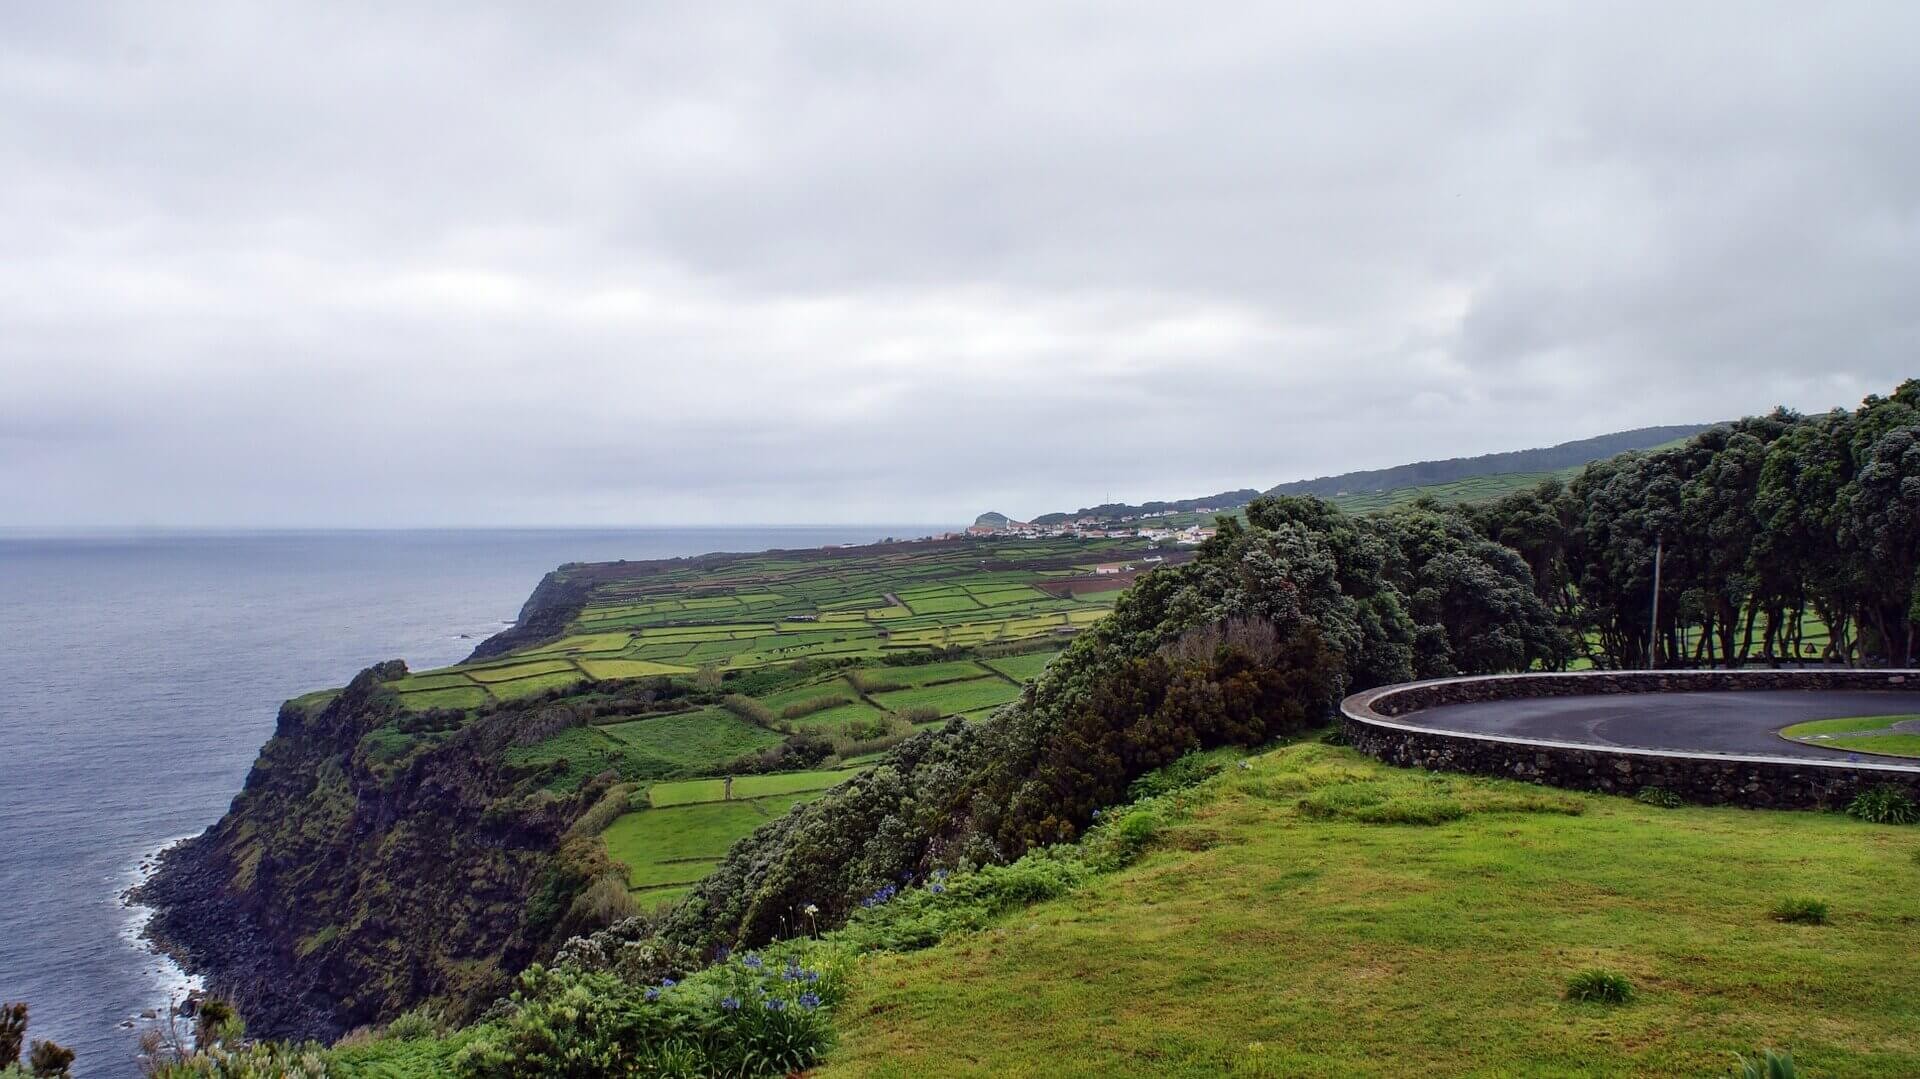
376 858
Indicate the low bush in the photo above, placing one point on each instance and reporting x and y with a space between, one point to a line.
815 704
745 1016
798 753
868 682
1187 771
750 710
1599 987
1800 910
1771 1065
1884 805
1659 796
45 1060
426 1021
13 1033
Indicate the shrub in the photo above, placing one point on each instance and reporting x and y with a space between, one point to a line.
745 1016
1189 770
816 704
1336 735
1659 796
800 751
13 1033
603 903
867 682
1884 805
1599 987
1800 910
749 709
49 1060
426 1021
1138 828
1771 1065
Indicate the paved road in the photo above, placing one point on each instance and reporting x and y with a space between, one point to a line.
1729 722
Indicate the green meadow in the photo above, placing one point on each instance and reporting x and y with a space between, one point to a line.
1319 913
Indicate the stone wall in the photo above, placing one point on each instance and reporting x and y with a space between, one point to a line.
1708 779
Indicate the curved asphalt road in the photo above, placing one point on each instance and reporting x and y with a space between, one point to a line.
1744 722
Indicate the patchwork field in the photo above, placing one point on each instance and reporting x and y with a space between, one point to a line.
745 612
749 656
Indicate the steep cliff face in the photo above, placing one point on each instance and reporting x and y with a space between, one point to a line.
373 862
555 600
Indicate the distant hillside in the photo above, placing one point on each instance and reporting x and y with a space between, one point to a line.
1551 459
1450 480
1223 500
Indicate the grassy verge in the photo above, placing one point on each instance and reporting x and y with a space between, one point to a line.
1264 936
1868 734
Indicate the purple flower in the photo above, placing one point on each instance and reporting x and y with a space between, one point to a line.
653 993
668 983
775 1004
720 954
731 1004
810 975
752 961
809 1001
938 889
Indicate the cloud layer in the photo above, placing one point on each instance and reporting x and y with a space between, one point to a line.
473 264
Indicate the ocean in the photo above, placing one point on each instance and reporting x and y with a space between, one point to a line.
139 673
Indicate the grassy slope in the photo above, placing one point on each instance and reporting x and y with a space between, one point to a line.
1259 941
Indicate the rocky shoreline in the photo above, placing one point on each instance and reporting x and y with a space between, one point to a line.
212 935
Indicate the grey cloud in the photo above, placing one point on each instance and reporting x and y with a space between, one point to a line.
420 264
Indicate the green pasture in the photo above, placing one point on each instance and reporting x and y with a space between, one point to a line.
693 741
517 671
690 791
953 698
1022 668
678 845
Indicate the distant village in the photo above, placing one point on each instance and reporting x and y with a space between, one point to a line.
1132 526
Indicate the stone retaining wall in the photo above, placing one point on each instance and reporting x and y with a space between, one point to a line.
1706 778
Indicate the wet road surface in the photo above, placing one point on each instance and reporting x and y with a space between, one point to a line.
1745 722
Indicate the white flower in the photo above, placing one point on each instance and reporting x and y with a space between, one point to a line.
811 910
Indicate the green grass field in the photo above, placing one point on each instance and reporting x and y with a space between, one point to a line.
953 698
693 740
1867 734
690 791
1267 937
1023 668
666 849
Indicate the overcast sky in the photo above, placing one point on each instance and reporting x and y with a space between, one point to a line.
388 264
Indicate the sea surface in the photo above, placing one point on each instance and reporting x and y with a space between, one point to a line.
140 672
